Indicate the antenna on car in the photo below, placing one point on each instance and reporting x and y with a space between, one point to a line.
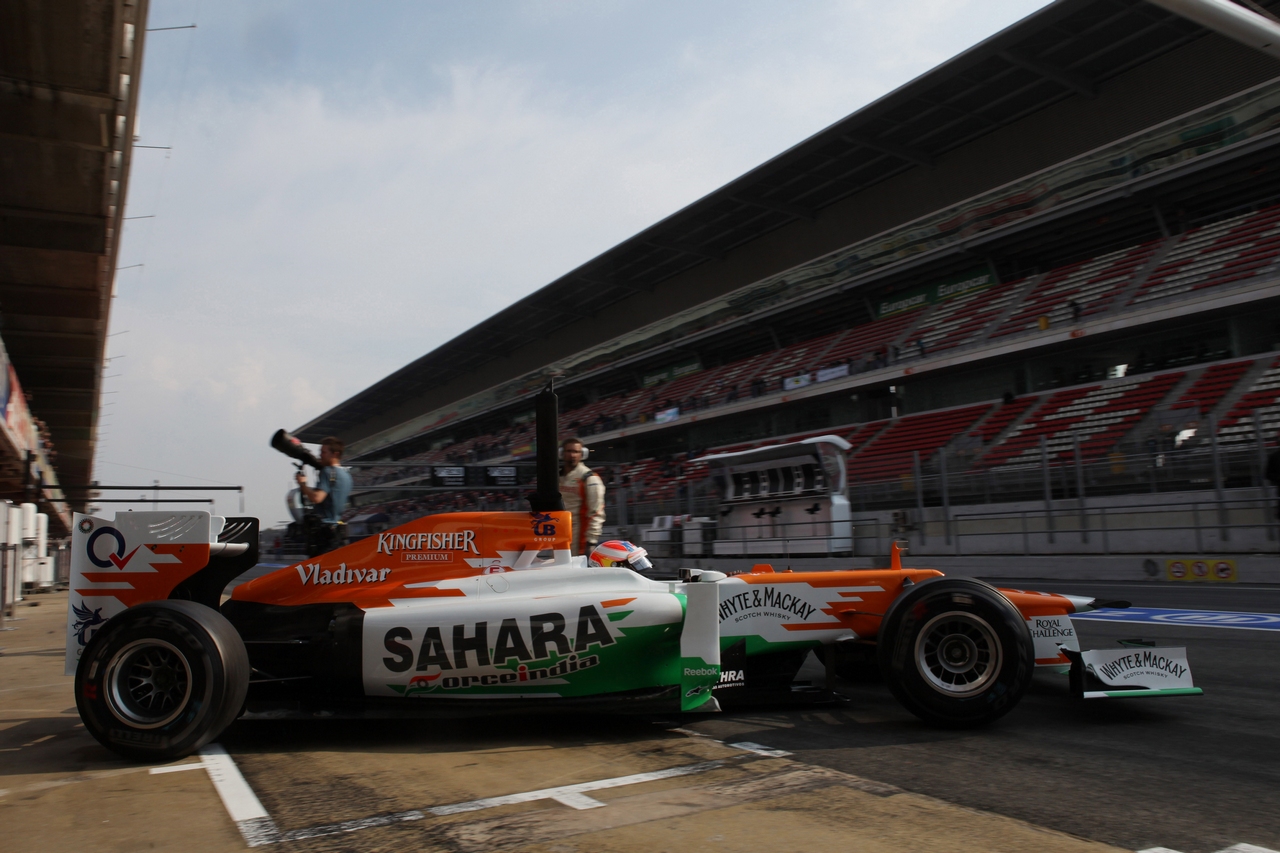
547 498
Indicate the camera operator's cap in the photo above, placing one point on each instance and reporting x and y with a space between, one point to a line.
616 552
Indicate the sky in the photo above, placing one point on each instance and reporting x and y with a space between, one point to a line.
335 189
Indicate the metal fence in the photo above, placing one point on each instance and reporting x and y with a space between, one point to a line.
1192 527
1233 525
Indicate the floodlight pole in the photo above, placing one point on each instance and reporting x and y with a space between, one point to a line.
1048 487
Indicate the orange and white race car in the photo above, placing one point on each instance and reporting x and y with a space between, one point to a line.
464 612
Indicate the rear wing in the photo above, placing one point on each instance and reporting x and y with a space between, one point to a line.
146 556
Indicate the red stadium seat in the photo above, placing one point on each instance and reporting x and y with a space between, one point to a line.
1233 249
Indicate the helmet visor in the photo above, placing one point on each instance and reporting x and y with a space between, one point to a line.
639 563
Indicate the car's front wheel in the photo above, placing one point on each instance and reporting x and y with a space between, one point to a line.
161 680
955 652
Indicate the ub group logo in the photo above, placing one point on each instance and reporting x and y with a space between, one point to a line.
543 524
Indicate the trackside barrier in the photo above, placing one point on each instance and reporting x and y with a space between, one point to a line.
1183 527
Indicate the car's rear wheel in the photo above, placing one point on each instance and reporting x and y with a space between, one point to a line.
955 652
161 680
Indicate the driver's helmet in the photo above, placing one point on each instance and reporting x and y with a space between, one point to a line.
615 552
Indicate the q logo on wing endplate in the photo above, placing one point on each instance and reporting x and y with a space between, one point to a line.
117 558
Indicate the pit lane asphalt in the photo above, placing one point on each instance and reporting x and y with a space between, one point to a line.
1194 775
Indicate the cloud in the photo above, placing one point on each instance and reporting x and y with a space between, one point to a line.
314 235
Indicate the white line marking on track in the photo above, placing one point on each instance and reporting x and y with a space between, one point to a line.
571 795
258 829
760 750
1234 848
175 768
241 803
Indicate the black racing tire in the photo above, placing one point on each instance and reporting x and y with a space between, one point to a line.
161 680
956 653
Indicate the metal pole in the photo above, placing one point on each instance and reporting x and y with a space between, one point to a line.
1267 506
1106 540
1084 519
915 464
946 497
1048 487
1223 532
12 578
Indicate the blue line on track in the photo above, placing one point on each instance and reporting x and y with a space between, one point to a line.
1187 618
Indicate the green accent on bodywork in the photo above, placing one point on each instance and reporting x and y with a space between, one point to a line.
757 645
619 615
1151 694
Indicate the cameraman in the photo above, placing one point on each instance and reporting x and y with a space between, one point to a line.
329 497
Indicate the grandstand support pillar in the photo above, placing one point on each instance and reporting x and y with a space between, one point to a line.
915 475
1267 504
1084 518
1224 532
1159 214
620 499
1048 487
946 497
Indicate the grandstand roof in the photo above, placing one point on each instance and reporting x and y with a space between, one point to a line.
1070 49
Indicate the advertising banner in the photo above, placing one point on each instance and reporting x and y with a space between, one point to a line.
791 383
675 371
500 475
897 303
838 371
980 278
1201 569
666 416
452 475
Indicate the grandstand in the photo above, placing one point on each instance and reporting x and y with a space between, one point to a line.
1061 247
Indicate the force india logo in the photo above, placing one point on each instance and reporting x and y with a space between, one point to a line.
765 602
520 652
462 540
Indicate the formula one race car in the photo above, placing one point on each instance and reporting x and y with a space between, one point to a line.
467 611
